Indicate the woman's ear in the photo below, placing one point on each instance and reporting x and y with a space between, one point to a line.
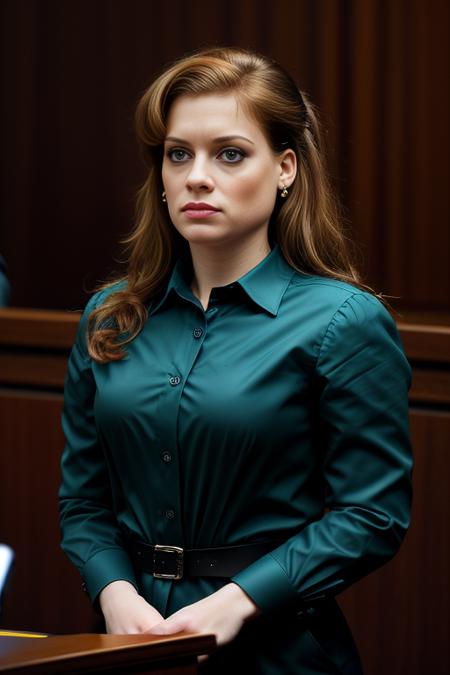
288 168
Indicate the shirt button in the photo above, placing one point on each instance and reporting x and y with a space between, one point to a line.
166 456
170 514
197 332
174 380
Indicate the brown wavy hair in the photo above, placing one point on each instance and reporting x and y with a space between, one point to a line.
307 225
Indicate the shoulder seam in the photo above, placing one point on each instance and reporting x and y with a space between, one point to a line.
333 321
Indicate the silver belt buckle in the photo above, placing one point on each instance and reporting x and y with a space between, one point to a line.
167 562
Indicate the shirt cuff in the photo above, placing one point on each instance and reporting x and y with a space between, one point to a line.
111 564
267 584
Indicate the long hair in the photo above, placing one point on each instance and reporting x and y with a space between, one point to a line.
307 225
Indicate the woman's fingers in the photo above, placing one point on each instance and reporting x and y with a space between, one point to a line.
125 611
169 627
222 614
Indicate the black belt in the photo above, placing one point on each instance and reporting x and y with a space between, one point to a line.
173 562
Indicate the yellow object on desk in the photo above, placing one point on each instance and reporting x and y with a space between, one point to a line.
14 633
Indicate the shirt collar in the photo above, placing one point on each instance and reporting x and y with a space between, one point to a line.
265 284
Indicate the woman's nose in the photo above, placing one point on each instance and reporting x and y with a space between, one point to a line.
199 176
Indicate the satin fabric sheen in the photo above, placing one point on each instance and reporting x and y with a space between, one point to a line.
279 413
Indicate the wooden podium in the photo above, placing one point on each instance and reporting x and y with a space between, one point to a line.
89 653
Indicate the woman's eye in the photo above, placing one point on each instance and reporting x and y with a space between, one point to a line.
232 155
177 155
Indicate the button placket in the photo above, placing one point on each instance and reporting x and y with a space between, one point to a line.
170 510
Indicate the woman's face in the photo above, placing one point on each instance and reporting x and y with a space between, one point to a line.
219 173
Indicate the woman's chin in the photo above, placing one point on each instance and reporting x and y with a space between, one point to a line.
205 234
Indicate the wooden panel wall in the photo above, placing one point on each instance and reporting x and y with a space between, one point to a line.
44 591
400 615
73 70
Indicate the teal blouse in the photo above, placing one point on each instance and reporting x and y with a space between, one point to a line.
279 412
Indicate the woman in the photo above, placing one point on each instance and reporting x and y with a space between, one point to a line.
236 406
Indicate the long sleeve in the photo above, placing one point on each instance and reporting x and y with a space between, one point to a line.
90 533
361 382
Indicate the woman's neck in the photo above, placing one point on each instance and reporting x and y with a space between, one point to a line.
218 266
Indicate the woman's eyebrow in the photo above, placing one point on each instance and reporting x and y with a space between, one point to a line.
220 139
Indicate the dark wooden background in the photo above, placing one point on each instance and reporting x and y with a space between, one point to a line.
72 71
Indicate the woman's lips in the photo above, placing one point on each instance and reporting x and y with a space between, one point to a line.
200 213
197 210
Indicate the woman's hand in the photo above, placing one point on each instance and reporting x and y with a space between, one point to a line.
125 611
223 613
